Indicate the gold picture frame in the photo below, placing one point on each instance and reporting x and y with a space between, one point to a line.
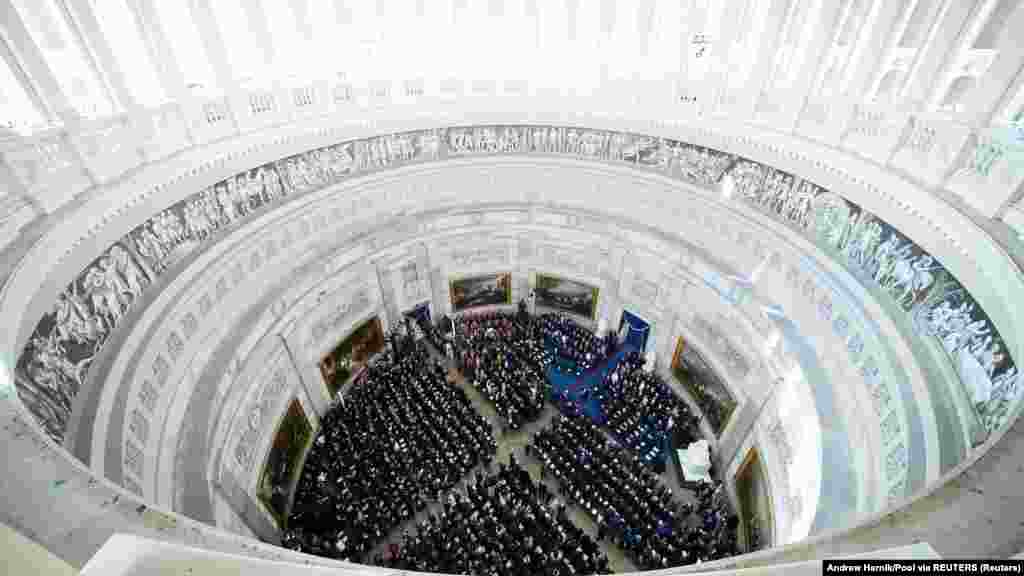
283 463
484 290
578 298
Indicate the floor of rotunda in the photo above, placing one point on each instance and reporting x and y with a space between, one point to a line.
514 442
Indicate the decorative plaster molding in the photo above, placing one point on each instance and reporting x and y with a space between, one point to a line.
792 503
777 434
867 122
354 302
711 334
414 287
174 232
990 171
253 419
559 256
645 291
863 354
486 254
922 137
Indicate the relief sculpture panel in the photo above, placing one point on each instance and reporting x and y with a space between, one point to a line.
936 304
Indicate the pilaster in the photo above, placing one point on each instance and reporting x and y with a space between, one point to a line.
246 507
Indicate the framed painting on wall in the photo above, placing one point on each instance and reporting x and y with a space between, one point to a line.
294 433
707 389
567 295
754 499
475 291
352 354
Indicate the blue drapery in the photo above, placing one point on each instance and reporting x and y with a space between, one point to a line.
637 332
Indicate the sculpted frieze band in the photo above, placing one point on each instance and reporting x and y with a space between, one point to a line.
52 367
878 255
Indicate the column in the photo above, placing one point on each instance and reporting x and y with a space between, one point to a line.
44 84
387 291
160 52
817 49
310 380
980 103
206 24
938 48
669 332
438 290
305 28
245 505
771 41
873 39
101 55
259 28
423 278
26 83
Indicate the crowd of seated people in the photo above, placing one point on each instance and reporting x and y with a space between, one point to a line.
433 333
501 363
572 342
531 349
400 437
715 533
643 411
503 525
624 498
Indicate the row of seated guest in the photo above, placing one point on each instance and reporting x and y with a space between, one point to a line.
642 411
497 357
572 341
433 334
517 330
505 524
715 534
398 438
624 498
501 324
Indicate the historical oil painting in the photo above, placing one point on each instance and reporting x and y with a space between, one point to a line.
474 291
567 295
351 354
283 461
704 385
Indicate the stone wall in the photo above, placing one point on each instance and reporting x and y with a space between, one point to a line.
651 208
